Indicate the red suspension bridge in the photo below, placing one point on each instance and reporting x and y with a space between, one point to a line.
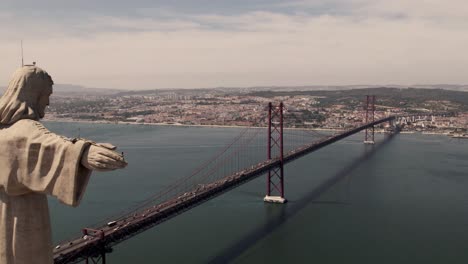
239 162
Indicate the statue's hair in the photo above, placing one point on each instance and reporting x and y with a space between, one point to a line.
20 100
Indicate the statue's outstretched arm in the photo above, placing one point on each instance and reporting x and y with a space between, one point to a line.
100 158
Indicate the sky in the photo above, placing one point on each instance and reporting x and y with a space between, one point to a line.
143 44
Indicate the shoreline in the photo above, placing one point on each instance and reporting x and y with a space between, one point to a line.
228 126
179 125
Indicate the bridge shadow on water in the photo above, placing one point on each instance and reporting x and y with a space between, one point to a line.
295 207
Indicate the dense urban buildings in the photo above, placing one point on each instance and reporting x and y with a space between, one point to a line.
327 109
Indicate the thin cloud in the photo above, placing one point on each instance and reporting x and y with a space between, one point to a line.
375 42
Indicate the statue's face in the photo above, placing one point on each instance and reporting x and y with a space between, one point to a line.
43 102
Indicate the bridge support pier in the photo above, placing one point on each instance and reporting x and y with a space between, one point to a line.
370 117
97 259
100 256
275 176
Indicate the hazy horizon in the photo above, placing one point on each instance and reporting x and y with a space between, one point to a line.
441 86
146 44
457 87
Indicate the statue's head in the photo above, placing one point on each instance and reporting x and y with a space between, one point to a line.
27 95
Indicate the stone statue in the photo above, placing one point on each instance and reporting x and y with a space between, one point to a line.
34 163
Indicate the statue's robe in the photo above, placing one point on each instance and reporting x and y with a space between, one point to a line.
34 163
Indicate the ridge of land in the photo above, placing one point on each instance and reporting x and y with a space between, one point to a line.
325 109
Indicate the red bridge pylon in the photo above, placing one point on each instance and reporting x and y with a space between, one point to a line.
275 176
370 117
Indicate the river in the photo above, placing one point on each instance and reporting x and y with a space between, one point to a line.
404 200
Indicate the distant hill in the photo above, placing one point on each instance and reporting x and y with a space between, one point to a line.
70 89
390 96
462 88
74 90
159 91
452 87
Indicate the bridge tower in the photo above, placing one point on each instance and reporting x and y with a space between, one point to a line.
370 117
275 176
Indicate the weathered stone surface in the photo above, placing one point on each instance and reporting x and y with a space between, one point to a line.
34 163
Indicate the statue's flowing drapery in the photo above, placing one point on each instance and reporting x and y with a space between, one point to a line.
34 163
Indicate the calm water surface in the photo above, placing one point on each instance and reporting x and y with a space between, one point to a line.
404 200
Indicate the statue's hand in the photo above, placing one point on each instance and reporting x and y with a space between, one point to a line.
107 146
102 159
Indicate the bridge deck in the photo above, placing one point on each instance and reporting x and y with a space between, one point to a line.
131 225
